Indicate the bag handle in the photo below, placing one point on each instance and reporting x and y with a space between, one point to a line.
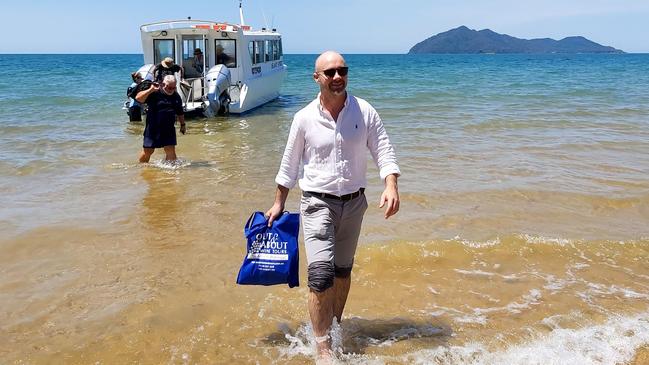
247 226
252 220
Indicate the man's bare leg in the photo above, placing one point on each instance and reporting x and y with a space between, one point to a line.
341 289
146 153
321 313
323 307
170 153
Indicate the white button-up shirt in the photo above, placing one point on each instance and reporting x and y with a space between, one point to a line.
332 153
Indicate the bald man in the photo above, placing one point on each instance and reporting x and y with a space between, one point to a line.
329 139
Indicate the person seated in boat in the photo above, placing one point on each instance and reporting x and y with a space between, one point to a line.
166 67
134 107
195 71
197 62
222 58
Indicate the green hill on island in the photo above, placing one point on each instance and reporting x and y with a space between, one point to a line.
465 40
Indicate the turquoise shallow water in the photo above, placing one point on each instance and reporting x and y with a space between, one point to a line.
463 124
499 112
523 231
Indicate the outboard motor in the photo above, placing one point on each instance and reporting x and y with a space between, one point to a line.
218 82
147 71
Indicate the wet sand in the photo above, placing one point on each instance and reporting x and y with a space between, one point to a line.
642 356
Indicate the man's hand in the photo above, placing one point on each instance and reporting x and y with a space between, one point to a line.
144 94
390 196
278 207
274 212
181 119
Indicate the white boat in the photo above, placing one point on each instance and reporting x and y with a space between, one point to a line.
249 75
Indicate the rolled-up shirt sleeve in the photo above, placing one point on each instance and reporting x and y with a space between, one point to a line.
380 147
290 167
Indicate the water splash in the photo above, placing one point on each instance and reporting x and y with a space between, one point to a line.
171 164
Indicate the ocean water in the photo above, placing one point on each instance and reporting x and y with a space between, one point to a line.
522 236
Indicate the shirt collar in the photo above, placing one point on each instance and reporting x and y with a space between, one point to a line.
322 110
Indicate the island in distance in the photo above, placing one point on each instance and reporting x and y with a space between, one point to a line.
465 40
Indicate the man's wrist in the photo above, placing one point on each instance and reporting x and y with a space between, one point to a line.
391 180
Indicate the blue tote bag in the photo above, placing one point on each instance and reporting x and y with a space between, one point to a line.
272 256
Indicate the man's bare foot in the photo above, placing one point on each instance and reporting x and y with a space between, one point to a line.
325 355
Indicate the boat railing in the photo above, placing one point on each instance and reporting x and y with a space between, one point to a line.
194 91
190 87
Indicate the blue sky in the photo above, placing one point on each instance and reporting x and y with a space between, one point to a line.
351 26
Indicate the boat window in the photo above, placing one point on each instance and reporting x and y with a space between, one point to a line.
257 53
281 53
226 52
275 50
192 61
162 48
269 51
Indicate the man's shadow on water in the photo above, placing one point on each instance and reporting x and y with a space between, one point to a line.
162 205
359 334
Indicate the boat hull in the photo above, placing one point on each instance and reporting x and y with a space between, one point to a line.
258 91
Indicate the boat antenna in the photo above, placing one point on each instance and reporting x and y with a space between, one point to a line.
241 14
265 20
263 13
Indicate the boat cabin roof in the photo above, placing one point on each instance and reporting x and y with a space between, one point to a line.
201 24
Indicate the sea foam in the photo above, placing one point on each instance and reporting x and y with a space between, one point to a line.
612 342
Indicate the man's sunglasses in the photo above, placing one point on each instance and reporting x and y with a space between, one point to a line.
342 71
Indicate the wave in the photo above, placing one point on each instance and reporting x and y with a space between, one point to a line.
613 342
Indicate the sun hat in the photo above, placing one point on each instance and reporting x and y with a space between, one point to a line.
198 51
168 62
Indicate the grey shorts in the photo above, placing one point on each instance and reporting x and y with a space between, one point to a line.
331 228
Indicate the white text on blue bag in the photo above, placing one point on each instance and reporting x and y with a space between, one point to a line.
267 247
